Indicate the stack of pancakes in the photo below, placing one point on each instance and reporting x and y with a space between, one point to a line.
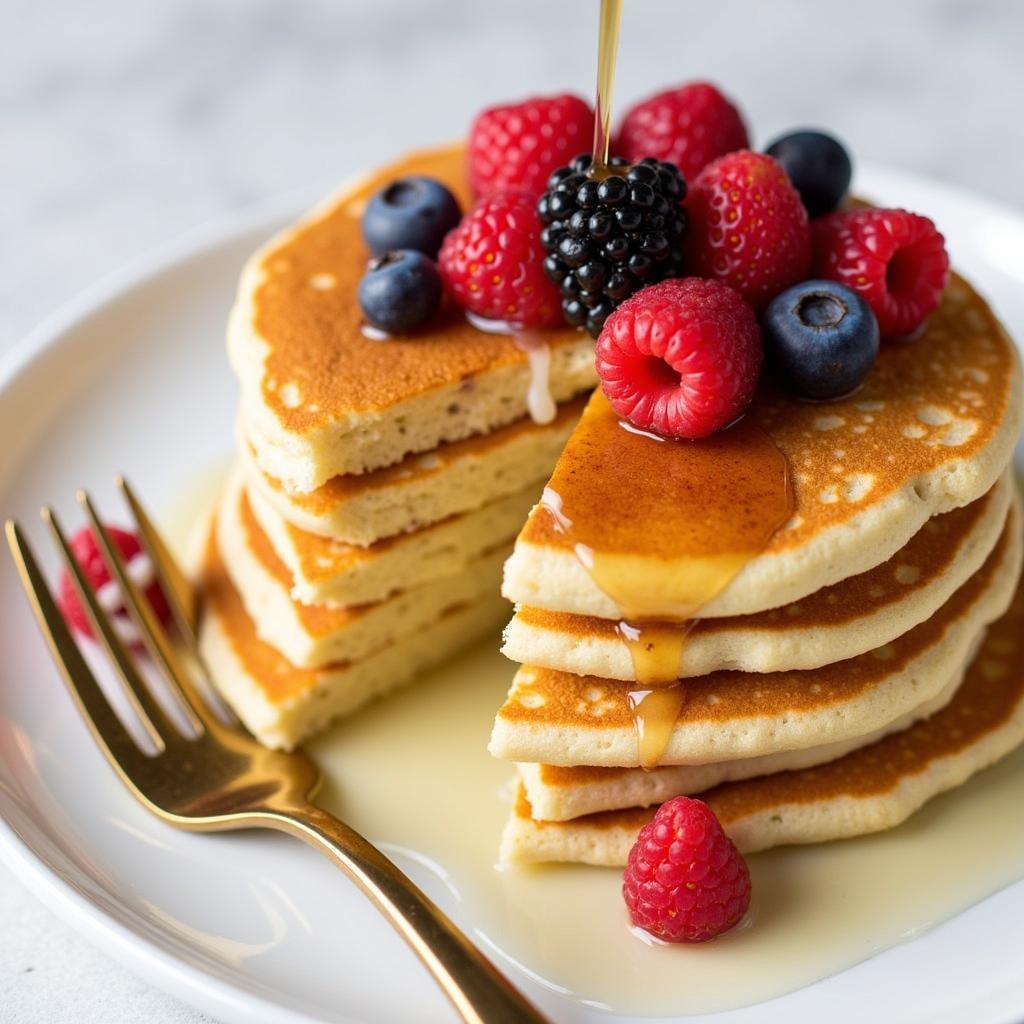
379 482
864 660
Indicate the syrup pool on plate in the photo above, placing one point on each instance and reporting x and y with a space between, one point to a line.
662 527
412 773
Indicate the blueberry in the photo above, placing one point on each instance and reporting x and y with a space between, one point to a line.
410 213
400 291
822 337
818 165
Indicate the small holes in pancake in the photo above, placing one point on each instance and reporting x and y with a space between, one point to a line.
907 574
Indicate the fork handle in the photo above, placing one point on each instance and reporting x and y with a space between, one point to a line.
478 990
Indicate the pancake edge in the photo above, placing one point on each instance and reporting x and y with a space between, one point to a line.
277 616
920 679
773 650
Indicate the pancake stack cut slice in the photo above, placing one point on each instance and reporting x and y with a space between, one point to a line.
866 656
379 483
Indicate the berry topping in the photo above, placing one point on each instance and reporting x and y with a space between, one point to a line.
492 263
681 357
86 549
689 126
607 237
685 880
894 259
823 338
748 226
410 213
400 291
518 146
818 166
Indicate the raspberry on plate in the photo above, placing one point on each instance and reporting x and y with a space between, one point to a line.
86 549
493 263
681 358
688 126
748 226
519 145
896 260
685 880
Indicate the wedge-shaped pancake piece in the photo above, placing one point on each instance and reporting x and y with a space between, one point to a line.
321 398
310 636
838 622
280 704
874 788
556 718
456 477
931 430
331 572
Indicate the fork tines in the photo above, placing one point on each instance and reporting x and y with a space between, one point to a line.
161 725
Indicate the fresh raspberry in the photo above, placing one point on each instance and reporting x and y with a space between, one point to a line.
896 260
681 357
688 126
86 549
518 146
748 226
493 263
685 880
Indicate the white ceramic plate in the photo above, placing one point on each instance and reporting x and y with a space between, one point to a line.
133 378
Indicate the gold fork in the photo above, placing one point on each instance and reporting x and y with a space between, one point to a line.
219 778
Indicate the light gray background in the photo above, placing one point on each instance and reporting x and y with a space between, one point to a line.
124 123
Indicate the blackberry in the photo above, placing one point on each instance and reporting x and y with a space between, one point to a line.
609 237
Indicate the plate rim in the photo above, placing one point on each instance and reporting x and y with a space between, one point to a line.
190 983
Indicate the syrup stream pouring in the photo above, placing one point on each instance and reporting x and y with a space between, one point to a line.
607 51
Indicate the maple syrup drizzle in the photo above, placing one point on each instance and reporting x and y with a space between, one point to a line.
540 403
607 51
662 527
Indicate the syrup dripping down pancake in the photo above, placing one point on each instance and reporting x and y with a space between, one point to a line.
874 788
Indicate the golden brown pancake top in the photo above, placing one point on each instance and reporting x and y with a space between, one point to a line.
928 554
991 693
305 310
925 402
547 697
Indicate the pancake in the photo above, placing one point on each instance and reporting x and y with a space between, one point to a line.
280 704
331 572
556 718
320 399
874 788
310 636
838 622
931 430
421 489
560 793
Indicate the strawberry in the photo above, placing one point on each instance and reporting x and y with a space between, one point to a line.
748 226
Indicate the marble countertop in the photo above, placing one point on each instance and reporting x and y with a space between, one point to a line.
124 124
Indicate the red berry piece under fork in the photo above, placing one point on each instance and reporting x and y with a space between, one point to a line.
685 880
680 358
86 549
519 145
493 263
895 260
